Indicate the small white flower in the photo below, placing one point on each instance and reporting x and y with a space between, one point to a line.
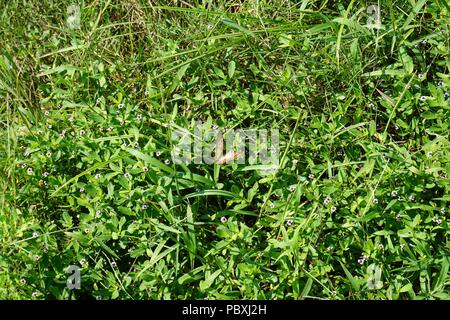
145 169
97 176
380 246
437 220
375 200
136 144
146 92
71 119
442 210
34 294
126 175
98 297
23 166
35 234
429 154
424 42
423 98
441 83
327 200
83 262
99 100
62 134
158 153
49 154
81 190
398 217
113 264
139 117
272 205
40 132
223 219
144 207
289 223
110 129
120 106
446 95
100 129
29 170
46 113
86 230
78 216
210 26
333 209
82 132
167 161
291 188
23 281
412 197
98 213
394 194
36 257
310 176
420 76
49 126
294 162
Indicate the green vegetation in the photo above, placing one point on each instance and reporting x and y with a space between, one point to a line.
359 208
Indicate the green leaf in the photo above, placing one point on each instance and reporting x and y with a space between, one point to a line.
126 211
102 81
235 26
214 193
209 280
107 249
354 283
306 288
177 79
231 69
191 240
149 160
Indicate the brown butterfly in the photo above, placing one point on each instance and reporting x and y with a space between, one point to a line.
228 157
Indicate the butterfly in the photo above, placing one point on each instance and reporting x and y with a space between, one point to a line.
229 156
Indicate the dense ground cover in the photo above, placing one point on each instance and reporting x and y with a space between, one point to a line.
358 209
